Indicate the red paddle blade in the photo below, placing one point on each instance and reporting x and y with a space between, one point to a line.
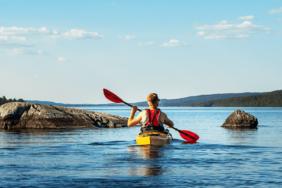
191 138
112 97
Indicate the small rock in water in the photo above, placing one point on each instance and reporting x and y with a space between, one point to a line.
240 119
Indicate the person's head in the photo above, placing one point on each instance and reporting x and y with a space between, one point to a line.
153 100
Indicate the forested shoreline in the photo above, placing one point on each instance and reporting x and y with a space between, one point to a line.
4 100
271 99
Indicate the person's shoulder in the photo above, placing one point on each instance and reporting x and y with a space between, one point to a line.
143 112
162 113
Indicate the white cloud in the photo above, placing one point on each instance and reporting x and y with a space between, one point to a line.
201 33
22 31
24 50
16 41
215 36
174 43
62 59
247 17
127 37
18 38
40 52
246 26
3 37
224 30
146 43
279 19
78 34
13 38
72 34
43 30
275 11
242 36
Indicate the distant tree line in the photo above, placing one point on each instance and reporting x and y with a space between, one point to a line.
3 100
272 99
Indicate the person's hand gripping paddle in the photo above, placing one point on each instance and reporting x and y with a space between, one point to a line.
186 135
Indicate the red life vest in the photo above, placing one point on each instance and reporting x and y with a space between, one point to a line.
151 117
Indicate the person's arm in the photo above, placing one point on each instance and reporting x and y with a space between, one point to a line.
168 122
131 120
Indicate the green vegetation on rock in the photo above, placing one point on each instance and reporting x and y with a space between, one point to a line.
3 100
271 99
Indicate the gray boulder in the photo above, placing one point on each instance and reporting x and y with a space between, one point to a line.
240 119
21 115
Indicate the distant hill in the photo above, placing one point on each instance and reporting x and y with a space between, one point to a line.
46 103
163 102
199 99
271 99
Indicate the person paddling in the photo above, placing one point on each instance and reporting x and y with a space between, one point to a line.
152 118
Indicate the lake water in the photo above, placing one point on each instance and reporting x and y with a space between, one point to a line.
92 157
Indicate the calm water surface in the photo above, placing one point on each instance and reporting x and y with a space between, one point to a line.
110 158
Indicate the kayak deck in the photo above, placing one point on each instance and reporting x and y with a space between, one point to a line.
153 138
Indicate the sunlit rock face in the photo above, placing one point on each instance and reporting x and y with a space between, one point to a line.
240 119
21 115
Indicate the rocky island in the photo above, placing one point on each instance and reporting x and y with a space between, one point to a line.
240 119
22 115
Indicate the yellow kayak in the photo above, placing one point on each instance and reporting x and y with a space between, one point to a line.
153 138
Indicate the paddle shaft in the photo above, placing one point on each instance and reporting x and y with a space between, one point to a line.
131 106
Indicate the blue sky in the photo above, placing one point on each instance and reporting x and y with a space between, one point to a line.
68 51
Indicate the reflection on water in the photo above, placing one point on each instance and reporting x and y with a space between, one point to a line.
33 137
151 152
150 157
186 142
242 135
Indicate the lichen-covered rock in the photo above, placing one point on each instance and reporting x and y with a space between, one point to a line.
21 115
240 119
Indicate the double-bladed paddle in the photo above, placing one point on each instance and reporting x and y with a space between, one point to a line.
186 135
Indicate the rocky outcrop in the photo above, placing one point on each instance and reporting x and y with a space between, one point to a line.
240 119
21 115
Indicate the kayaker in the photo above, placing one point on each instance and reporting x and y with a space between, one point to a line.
152 118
